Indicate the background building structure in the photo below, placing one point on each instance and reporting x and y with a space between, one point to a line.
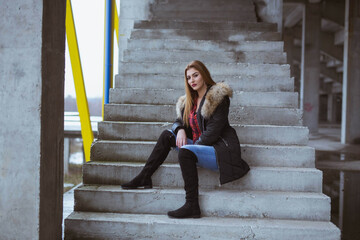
321 40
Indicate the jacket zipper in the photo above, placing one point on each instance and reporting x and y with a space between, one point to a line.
227 145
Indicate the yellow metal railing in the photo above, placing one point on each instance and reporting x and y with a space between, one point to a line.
81 99
116 21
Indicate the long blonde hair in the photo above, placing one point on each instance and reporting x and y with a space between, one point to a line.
192 94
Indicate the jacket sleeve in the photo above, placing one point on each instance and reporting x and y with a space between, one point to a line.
215 124
177 125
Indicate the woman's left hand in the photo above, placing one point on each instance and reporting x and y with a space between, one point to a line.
181 138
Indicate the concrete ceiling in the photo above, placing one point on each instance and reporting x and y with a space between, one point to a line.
332 33
292 14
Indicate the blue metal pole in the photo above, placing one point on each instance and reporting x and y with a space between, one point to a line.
108 39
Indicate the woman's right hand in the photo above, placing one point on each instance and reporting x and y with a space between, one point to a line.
181 138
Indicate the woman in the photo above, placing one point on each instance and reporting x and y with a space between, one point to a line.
202 134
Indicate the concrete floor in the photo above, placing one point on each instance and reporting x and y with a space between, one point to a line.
331 154
327 140
340 164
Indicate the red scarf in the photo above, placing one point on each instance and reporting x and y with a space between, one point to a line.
194 123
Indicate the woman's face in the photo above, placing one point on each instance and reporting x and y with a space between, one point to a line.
195 80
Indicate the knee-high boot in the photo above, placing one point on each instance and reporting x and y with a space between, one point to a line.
190 209
156 158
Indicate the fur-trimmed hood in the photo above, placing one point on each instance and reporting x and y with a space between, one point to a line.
214 96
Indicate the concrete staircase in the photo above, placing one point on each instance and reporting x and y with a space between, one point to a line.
280 198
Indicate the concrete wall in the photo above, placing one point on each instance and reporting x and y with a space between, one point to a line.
350 129
270 11
52 119
131 10
31 63
20 102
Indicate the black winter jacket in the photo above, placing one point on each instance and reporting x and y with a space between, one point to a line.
216 131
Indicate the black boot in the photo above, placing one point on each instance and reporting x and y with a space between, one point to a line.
156 158
191 208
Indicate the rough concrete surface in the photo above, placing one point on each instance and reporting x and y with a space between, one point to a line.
169 175
31 76
115 226
20 101
239 115
254 204
247 134
52 119
254 154
241 82
170 96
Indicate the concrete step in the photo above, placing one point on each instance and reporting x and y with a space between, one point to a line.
170 96
225 35
143 55
91 225
253 154
238 115
264 70
169 175
237 14
206 25
249 204
220 5
248 134
205 45
238 82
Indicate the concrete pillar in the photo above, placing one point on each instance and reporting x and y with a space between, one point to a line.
338 107
270 11
289 48
351 206
330 103
297 79
32 45
350 125
311 66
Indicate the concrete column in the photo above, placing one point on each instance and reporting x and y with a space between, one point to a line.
270 11
312 66
302 63
351 206
350 125
289 48
32 46
338 107
330 103
297 79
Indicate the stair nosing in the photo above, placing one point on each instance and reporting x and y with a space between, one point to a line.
241 144
176 165
215 221
203 191
233 124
